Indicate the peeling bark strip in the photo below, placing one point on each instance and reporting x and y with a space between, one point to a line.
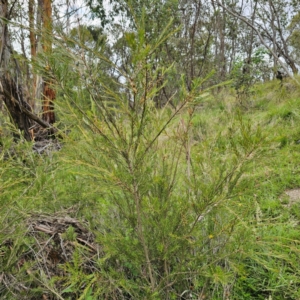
48 104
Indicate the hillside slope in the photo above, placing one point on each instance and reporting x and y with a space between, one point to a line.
202 203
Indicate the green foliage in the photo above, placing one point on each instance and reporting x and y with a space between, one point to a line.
245 73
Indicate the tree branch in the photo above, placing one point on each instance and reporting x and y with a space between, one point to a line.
248 22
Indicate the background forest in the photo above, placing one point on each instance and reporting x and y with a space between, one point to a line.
149 149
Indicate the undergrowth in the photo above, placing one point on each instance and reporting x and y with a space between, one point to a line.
185 202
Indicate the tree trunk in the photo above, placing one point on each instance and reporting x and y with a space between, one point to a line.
251 40
33 49
32 36
48 95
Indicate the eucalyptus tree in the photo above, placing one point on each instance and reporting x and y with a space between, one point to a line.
275 16
269 22
188 46
294 39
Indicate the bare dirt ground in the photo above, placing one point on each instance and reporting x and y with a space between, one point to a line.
294 196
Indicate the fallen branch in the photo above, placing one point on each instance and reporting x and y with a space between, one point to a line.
28 113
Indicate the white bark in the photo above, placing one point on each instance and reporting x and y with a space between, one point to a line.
248 22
